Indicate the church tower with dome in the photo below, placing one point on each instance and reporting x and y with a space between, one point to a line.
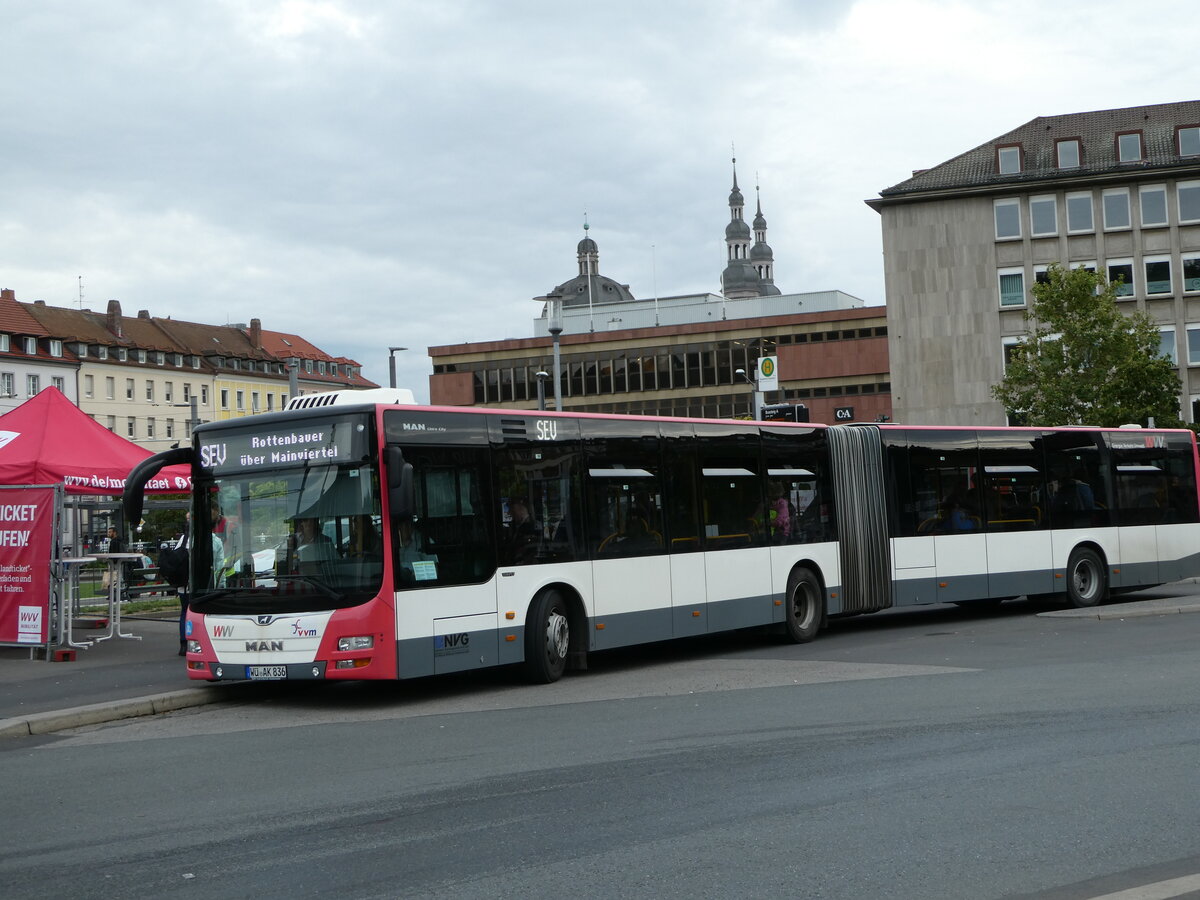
749 270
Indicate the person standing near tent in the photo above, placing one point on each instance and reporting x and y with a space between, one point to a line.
115 545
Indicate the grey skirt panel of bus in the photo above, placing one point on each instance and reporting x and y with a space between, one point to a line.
860 499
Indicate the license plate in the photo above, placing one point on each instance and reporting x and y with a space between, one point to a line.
266 673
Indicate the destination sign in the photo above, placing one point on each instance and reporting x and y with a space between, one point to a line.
328 442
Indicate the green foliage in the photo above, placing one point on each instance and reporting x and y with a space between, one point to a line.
1085 362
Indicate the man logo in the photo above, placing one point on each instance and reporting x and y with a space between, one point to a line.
265 620
8 436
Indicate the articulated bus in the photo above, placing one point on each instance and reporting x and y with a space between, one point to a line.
353 539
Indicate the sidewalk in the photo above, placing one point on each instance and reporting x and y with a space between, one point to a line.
116 679
120 679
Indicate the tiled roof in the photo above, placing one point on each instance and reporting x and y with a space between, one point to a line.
14 319
1097 132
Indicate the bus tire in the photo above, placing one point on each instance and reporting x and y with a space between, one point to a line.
547 637
803 606
1087 581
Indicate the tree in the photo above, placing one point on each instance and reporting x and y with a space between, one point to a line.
1084 362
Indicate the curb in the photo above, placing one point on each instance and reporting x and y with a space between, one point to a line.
109 711
1116 612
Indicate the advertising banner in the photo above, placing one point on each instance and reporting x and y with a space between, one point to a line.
26 548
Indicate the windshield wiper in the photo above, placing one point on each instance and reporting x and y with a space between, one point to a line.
316 583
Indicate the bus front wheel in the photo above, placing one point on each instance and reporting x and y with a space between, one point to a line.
547 638
803 606
1087 584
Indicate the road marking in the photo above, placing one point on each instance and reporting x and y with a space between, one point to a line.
1159 890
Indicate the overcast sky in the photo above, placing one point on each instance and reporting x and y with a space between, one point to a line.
379 173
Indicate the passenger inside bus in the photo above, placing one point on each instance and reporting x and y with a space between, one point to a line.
521 536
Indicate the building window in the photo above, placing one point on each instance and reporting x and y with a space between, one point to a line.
1079 213
1153 200
1189 140
59 382
4 343
1008 219
131 427
150 427
1166 343
101 352
1041 274
224 398
254 401
7 386
1012 287
56 347
195 362
168 393
1068 154
160 358
308 366
30 345
270 402
177 360
1191 273
204 394
1122 270
1043 216
235 364
128 388
1008 160
241 401
1116 209
33 384
140 354
122 354
149 390
89 385
1189 201
1158 275
1193 345
1129 147
170 428
112 424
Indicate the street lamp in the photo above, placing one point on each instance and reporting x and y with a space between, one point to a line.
756 394
541 379
392 365
555 326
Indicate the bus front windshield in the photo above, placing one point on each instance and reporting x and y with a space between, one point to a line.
293 539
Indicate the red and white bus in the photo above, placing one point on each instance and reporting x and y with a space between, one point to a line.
356 539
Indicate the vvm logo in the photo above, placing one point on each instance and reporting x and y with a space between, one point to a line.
222 631
299 630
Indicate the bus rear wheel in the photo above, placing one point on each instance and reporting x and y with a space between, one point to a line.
802 606
1087 582
547 638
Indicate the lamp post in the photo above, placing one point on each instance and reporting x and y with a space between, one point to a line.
392 364
756 396
541 380
555 326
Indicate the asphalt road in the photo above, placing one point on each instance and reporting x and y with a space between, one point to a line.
927 754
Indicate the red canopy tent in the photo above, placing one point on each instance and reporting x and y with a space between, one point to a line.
49 440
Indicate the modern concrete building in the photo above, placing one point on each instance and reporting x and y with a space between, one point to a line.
681 355
964 241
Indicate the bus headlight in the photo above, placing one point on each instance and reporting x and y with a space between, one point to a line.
193 646
359 642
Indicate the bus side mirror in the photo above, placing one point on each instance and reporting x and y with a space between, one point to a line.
400 484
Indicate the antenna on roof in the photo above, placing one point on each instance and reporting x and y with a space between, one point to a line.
81 292
654 280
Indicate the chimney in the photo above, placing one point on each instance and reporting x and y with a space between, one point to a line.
143 314
8 294
256 334
114 317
